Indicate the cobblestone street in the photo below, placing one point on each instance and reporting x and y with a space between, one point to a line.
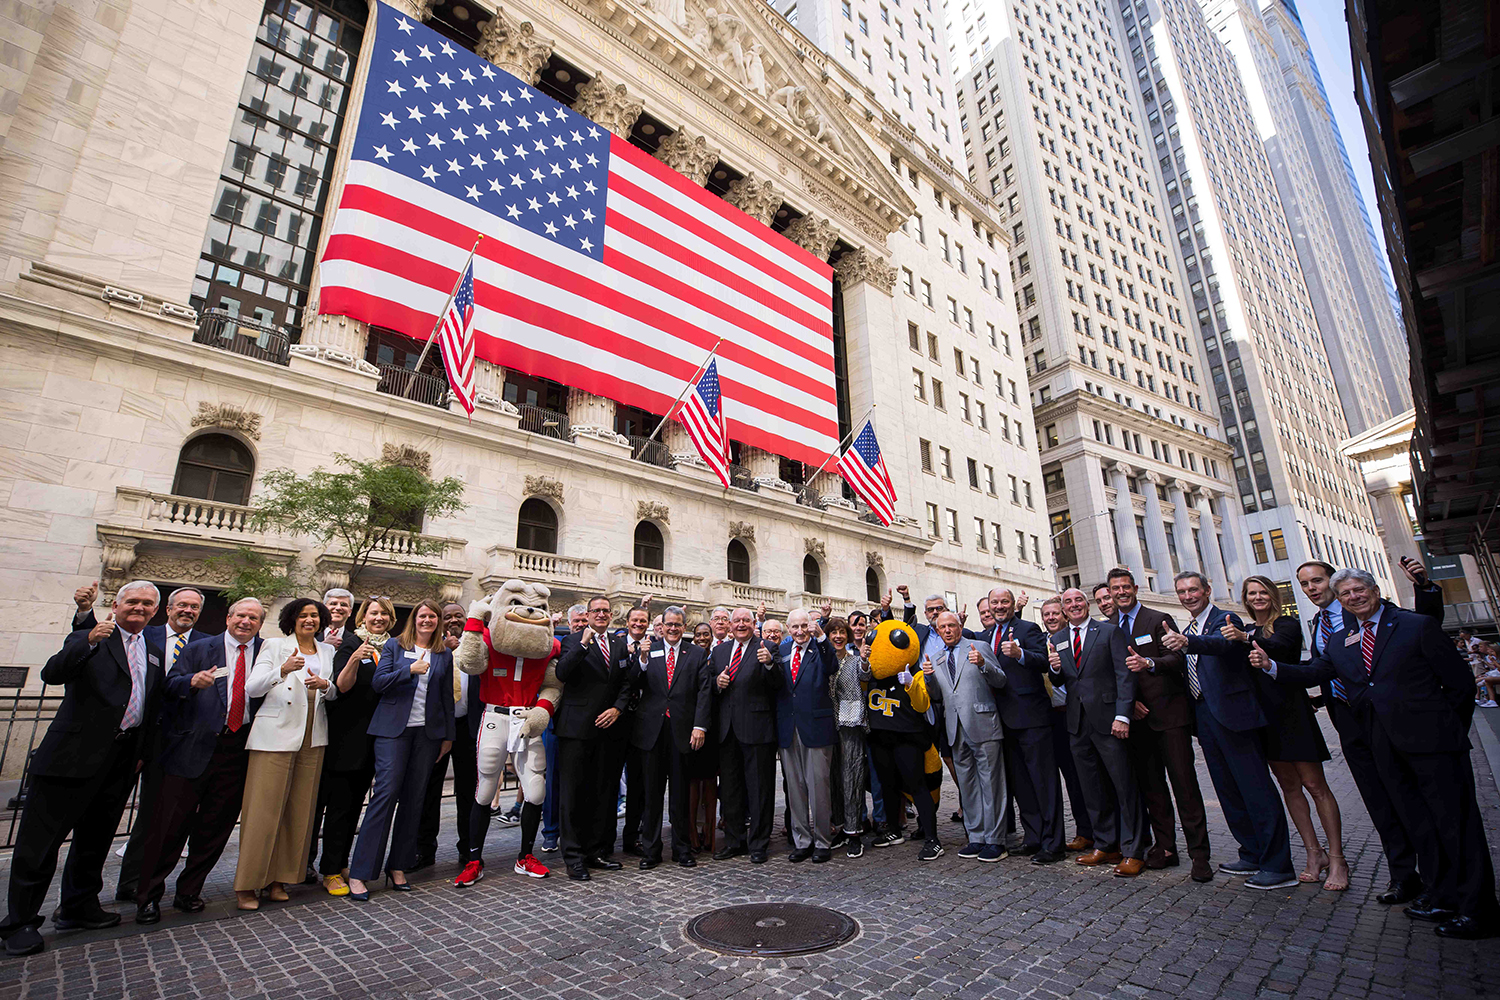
951 928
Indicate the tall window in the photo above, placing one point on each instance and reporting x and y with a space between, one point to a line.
739 561
650 549
263 232
214 467
812 575
872 585
536 528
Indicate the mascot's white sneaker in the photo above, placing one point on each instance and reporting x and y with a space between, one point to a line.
531 867
473 872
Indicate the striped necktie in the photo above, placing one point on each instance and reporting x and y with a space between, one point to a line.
1367 647
177 647
1194 687
1325 632
135 656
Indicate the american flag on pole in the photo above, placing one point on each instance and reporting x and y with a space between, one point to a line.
605 269
865 470
702 415
456 340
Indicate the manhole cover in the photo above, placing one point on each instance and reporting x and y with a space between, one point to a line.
771 929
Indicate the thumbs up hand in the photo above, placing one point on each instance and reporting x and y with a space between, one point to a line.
103 630
927 665
1258 657
1135 661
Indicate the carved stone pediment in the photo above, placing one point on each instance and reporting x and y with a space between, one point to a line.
406 455
650 510
229 417
742 529
816 547
544 486
876 560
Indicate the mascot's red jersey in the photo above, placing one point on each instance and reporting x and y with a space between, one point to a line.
514 682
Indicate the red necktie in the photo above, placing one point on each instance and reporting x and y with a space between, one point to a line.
237 695
671 665
734 661
1367 647
1077 646
796 662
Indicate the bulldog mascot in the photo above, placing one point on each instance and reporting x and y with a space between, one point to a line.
508 645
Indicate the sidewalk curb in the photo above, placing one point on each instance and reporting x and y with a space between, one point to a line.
1489 741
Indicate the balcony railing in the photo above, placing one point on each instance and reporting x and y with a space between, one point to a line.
741 479
228 332
639 579
186 512
809 497
548 423
651 451
563 573
745 595
397 380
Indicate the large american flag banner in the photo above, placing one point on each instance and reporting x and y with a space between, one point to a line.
607 270
702 416
864 468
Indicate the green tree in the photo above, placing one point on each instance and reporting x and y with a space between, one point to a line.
360 509
254 574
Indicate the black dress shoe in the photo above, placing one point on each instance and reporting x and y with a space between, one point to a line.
758 857
148 913
1046 857
1467 929
1428 912
649 863
634 850
725 853
24 941
188 904
579 874
800 854
822 855
95 921
423 861
687 861
1400 892
604 864
1027 850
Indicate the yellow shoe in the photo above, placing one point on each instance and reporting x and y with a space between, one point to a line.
336 886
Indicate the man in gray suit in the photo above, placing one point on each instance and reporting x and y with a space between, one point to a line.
1089 657
960 684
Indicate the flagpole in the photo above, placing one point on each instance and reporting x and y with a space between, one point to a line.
853 429
686 388
440 316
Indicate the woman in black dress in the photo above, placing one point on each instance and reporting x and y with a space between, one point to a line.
1295 747
703 774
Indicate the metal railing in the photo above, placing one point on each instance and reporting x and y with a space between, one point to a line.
1469 613
651 451
228 332
548 423
807 496
741 479
398 380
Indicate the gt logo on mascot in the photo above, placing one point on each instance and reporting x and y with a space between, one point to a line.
883 703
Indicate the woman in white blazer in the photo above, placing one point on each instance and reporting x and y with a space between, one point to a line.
286 747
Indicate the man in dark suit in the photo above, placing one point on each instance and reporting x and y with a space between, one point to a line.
83 771
745 692
1231 726
1161 740
1412 696
1089 657
202 762
637 632
593 699
1026 711
805 733
671 720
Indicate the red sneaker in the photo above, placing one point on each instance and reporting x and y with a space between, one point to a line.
473 872
530 867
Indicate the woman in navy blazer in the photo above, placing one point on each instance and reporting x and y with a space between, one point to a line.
413 727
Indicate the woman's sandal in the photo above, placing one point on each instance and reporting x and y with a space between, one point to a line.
1311 874
1334 883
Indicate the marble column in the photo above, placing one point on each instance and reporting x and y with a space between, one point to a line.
867 278
765 468
1213 564
690 156
591 416
814 234
339 339
1187 555
1130 542
856 269
757 198
680 446
1088 508
1396 536
1236 540
1156 534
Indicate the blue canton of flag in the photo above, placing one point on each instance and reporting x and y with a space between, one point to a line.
445 117
864 468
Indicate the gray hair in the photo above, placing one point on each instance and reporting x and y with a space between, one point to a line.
184 590
748 612
139 585
578 609
1191 574
335 592
251 600
673 609
1357 575
717 610
936 597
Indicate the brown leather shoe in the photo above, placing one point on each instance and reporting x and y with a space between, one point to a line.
1098 857
1079 844
1129 868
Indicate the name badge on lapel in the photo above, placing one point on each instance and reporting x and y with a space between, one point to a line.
221 672
1352 640
656 653
153 659
1142 640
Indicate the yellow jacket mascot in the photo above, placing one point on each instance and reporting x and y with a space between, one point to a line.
900 740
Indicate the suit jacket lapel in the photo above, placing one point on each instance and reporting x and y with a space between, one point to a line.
1090 631
1382 635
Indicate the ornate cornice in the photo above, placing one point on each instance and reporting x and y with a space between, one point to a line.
864 265
814 234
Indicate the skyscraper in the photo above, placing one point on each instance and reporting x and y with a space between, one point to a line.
1346 281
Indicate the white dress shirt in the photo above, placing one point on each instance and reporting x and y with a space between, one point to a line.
461 707
231 655
418 714
169 640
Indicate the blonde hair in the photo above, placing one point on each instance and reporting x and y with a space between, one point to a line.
1270 585
384 604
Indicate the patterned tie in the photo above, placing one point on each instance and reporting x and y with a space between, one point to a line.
1367 647
1125 625
1194 687
135 655
1325 632
952 668
237 693
734 660
796 662
177 645
671 665
1077 647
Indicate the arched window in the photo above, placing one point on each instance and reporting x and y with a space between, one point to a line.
536 528
872 585
739 562
215 467
650 549
812 575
